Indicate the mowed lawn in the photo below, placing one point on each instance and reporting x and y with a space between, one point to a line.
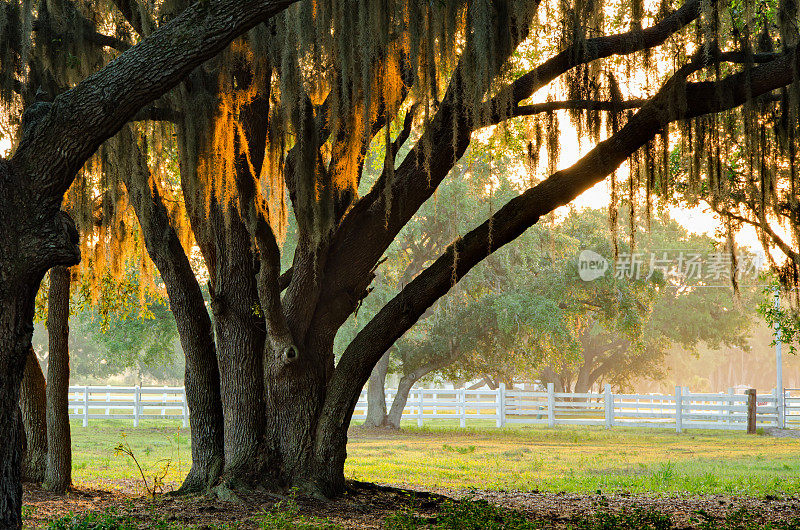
572 459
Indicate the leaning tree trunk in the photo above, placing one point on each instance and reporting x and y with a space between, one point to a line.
404 388
400 399
33 404
191 319
58 476
584 379
376 394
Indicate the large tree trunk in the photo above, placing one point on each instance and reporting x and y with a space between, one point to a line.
295 395
240 338
58 476
376 394
584 379
33 404
191 318
17 301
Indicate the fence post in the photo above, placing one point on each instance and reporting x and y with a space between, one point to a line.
678 410
501 405
609 403
420 404
551 405
185 407
751 410
731 394
86 406
108 398
136 399
462 410
777 392
164 401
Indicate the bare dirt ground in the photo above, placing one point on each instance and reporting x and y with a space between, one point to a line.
362 507
367 506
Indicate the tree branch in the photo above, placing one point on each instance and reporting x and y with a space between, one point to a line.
82 118
760 225
371 225
576 104
591 50
132 14
90 34
676 100
367 230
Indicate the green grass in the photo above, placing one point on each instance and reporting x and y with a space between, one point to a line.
572 459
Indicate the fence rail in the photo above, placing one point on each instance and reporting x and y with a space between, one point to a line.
128 403
681 410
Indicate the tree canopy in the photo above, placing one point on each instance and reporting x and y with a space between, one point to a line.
269 109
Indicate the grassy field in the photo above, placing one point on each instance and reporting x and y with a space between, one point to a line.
572 459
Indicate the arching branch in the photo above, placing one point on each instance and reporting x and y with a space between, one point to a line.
762 225
676 100
90 34
576 104
592 50
367 230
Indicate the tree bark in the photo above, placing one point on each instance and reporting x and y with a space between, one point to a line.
240 331
58 475
376 394
33 405
191 318
240 340
17 304
10 463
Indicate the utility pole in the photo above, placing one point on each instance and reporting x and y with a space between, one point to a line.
779 392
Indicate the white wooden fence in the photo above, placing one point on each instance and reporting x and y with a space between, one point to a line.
681 410
128 403
791 407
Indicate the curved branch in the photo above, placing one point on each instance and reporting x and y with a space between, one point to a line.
367 231
90 35
596 48
676 100
576 104
759 225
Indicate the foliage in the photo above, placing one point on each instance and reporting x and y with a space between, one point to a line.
108 520
121 332
786 320
466 514
472 514
525 309
741 519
